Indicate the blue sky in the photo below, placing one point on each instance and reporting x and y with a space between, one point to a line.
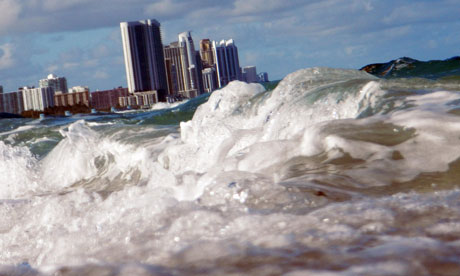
80 39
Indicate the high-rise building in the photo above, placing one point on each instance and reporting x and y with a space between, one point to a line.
59 84
184 64
38 98
206 53
225 56
144 57
139 100
175 56
199 71
1 89
209 79
72 99
190 64
106 99
250 74
77 89
263 77
12 102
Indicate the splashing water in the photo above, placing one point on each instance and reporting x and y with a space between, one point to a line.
334 172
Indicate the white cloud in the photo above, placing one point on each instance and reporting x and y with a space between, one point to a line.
326 15
365 5
53 68
9 14
100 75
252 57
355 50
6 56
166 8
397 32
70 65
56 5
101 51
91 63
242 7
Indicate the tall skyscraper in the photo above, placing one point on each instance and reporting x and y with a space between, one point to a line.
190 63
263 77
184 64
175 56
227 62
144 57
59 84
209 79
206 53
12 102
38 98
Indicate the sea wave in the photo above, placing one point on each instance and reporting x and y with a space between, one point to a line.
333 171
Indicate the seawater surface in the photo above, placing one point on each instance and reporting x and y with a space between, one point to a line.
334 172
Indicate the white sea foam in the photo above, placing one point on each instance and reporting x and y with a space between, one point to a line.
19 129
211 196
18 171
162 105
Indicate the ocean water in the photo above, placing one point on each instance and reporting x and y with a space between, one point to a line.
334 172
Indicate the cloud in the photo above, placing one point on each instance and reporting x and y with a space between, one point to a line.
267 32
355 50
100 51
260 7
48 16
166 8
6 56
423 11
58 5
313 17
70 65
9 13
99 74
397 32
52 68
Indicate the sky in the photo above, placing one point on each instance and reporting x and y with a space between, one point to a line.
80 39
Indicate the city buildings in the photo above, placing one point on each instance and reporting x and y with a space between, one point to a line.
59 84
12 102
78 89
209 79
76 97
38 99
184 67
206 53
227 62
139 100
106 99
144 57
175 56
250 74
263 77
154 73
190 65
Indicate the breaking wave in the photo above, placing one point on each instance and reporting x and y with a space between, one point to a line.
333 171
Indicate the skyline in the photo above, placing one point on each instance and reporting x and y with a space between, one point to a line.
80 39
